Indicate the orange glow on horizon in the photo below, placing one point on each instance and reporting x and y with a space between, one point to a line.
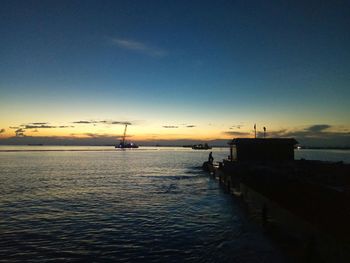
152 131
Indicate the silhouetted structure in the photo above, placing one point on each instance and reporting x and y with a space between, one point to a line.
125 145
201 147
273 149
255 131
315 194
210 158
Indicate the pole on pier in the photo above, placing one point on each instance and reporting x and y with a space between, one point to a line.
264 132
255 130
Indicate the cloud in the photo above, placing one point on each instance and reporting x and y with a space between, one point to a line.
120 122
314 135
42 126
103 122
318 127
236 133
82 122
30 126
98 135
313 131
178 126
39 123
2 130
20 132
236 126
34 126
138 47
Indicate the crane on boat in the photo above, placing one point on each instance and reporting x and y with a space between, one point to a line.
124 144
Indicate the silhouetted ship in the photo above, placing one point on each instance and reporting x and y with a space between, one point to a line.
201 147
126 145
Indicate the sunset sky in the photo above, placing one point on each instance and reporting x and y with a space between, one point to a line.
174 70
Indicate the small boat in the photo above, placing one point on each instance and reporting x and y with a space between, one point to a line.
201 147
124 144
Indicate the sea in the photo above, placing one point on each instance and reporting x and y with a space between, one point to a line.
152 204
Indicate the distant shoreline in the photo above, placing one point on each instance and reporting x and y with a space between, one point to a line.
177 146
324 148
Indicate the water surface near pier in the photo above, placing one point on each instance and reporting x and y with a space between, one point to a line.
101 204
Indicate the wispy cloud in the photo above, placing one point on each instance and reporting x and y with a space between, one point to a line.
313 135
139 47
34 126
20 132
236 133
120 122
82 122
318 128
176 126
37 126
42 126
2 130
320 132
313 131
39 123
236 126
99 135
103 122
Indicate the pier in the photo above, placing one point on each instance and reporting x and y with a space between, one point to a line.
308 199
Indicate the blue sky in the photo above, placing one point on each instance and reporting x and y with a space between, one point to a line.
283 64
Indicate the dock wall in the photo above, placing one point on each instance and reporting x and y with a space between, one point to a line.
314 217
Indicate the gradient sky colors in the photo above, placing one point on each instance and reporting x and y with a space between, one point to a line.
195 70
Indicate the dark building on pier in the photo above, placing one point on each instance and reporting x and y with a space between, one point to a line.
271 149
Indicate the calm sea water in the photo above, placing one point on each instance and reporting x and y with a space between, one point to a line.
144 205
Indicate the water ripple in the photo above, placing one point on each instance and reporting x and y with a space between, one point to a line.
148 206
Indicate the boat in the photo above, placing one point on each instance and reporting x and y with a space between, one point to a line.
201 147
124 144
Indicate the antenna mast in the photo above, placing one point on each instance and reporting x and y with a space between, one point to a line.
255 130
124 134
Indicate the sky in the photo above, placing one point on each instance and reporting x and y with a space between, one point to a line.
74 72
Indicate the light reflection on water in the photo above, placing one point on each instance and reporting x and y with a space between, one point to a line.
139 205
